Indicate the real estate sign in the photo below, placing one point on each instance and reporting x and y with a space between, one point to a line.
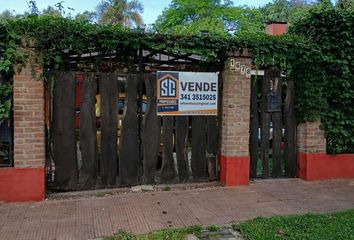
187 93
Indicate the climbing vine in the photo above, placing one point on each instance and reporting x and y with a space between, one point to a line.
325 77
317 54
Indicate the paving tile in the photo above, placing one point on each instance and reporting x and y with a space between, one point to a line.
92 218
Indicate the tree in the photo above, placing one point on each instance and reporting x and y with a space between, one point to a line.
215 16
33 9
86 16
127 13
286 10
51 11
278 10
6 14
345 4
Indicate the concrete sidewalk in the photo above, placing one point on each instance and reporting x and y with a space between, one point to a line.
91 218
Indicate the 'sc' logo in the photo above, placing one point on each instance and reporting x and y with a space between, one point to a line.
168 86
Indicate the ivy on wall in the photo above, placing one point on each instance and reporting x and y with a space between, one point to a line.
317 54
52 37
325 85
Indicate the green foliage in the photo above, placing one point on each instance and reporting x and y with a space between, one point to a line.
51 11
213 228
86 16
345 4
325 77
51 35
214 16
309 226
124 12
285 10
5 101
323 70
6 14
164 234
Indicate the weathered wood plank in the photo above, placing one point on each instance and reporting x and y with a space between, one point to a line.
64 132
168 172
290 130
151 131
254 124
265 123
129 163
182 147
212 135
109 123
212 145
277 131
199 162
88 145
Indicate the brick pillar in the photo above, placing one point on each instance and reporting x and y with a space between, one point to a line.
311 138
276 28
234 159
26 180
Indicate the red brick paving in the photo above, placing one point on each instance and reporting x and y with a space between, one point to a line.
91 218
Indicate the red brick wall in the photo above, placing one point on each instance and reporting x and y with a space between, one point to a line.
313 162
311 138
26 180
29 144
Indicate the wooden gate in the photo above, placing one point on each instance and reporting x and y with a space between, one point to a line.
105 132
272 126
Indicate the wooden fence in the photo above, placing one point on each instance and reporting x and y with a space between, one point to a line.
105 132
272 126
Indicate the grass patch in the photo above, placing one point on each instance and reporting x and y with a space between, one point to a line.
335 226
100 194
167 189
164 234
213 228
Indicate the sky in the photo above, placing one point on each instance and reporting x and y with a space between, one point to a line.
152 8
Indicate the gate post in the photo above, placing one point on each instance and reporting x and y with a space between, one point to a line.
234 158
26 180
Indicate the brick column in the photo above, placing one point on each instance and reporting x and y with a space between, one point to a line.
313 162
311 138
26 180
234 159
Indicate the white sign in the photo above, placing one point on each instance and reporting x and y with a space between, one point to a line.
187 93
248 72
238 66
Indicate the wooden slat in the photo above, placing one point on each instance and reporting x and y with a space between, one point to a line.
265 121
198 162
129 163
151 131
109 123
212 135
64 132
167 171
182 147
290 130
88 138
212 145
254 123
277 131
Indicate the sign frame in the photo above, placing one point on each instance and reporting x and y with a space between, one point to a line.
187 93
